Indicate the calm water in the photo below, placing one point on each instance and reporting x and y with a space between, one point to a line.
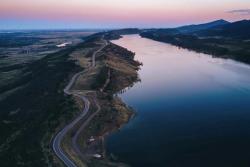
192 110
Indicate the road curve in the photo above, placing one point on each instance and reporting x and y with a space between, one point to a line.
58 139
75 137
59 136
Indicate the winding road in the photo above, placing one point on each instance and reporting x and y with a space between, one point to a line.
59 136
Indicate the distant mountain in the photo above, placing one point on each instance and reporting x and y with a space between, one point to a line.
168 31
239 30
126 31
199 27
188 29
116 34
218 38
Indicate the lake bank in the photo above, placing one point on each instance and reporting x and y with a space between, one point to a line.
108 71
228 48
192 109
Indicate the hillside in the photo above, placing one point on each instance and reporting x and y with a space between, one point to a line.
189 29
116 34
239 30
228 41
198 27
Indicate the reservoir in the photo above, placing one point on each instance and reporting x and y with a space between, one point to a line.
192 110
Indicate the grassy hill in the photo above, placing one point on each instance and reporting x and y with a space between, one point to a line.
236 30
199 27
228 40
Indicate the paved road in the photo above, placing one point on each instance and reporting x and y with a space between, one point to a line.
75 137
59 137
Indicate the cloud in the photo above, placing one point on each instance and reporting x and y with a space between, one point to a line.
240 11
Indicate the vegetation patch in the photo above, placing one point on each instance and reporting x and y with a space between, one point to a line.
35 111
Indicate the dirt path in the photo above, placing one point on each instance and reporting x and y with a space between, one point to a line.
106 82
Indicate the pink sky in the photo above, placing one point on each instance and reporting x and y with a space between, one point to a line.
137 13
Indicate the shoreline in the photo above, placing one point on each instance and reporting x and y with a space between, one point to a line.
119 69
201 47
121 120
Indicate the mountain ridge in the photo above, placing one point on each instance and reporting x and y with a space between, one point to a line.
239 30
196 27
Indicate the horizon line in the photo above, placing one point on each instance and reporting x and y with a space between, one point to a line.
104 29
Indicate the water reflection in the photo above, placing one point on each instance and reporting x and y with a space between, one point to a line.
192 109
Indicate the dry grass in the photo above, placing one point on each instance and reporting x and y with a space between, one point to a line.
114 113
80 56
121 65
86 80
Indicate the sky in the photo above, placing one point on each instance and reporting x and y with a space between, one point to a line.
79 14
